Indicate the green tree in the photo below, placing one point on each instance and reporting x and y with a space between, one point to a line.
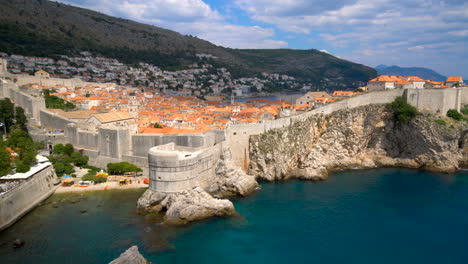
22 143
58 149
21 119
402 111
79 160
6 113
122 167
68 169
68 149
59 168
157 125
22 166
5 159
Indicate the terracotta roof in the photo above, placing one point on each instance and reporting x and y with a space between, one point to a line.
454 79
415 79
79 114
112 117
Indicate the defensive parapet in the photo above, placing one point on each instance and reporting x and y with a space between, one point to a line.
17 202
173 168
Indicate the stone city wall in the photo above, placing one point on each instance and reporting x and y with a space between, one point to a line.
31 105
53 121
438 101
464 96
118 144
29 79
175 169
19 201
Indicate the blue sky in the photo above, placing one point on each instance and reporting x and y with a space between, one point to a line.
424 33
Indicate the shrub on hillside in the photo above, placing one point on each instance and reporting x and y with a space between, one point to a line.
454 114
465 110
402 111
440 122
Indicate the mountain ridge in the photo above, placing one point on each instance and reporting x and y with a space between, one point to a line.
425 73
45 28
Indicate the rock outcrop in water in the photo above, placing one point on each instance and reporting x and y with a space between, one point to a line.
364 137
198 203
130 256
186 206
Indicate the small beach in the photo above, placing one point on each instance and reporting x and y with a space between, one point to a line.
114 185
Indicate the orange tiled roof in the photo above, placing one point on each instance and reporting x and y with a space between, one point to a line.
454 79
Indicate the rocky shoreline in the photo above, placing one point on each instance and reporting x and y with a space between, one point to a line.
198 203
364 137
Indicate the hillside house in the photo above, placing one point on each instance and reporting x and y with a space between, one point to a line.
383 82
388 82
454 81
309 98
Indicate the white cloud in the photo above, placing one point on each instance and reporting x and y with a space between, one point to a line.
374 32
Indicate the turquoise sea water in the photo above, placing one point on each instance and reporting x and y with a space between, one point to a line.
370 216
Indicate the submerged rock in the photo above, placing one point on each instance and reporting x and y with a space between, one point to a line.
186 206
18 243
130 256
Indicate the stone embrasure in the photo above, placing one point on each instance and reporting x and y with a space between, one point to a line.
130 256
186 206
364 137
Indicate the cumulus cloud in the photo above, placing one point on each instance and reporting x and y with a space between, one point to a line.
191 17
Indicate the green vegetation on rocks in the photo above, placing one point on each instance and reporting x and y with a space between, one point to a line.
402 111
465 110
455 115
440 122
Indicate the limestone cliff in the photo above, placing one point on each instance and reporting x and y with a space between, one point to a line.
231 180
364 137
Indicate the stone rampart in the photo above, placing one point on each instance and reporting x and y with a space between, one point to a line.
438 101
238 135
116 143
29 79
141 143
19 201
31 105
53 121
175 169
